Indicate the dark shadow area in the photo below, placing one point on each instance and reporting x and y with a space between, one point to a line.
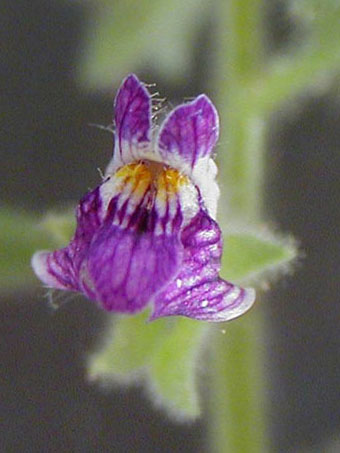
47 402
305 309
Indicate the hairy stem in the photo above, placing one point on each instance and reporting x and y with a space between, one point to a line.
237 412
238 65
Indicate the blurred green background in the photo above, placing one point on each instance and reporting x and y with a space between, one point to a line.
61 64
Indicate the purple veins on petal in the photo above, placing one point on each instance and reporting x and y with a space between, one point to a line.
132 118
190 131
55 269
60 269
144 235
197 291
125 269
90 214
214 301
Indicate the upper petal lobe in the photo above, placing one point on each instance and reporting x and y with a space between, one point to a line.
132 119
189 133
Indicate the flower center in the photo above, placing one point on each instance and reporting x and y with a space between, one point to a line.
161 180
149 196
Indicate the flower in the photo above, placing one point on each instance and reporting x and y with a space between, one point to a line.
147 233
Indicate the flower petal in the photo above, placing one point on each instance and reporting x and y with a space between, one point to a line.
55 269
125 269
197 291
204 176
132 120
137 250
90 214
189 133
216 301
60 269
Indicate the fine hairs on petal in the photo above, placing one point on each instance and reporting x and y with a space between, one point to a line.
56 300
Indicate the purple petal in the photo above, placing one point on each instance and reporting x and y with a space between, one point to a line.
215 301
56 269
132 118
124 251
127 268
90 215
197 291
60 269
190 131
137 250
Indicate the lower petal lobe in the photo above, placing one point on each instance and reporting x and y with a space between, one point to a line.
55 269
125 269
60 269
198 291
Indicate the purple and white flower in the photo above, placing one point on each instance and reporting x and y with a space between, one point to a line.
147 233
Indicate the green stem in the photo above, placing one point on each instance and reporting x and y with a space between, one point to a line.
239 63
237 404
237 420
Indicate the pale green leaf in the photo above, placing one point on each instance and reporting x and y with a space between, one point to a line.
173 368
131 341
165 351
59 225
22 234
20 237
247 256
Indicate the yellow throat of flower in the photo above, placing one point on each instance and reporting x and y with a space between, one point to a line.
141 176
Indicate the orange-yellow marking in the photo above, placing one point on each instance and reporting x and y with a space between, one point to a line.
167 181
137 174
